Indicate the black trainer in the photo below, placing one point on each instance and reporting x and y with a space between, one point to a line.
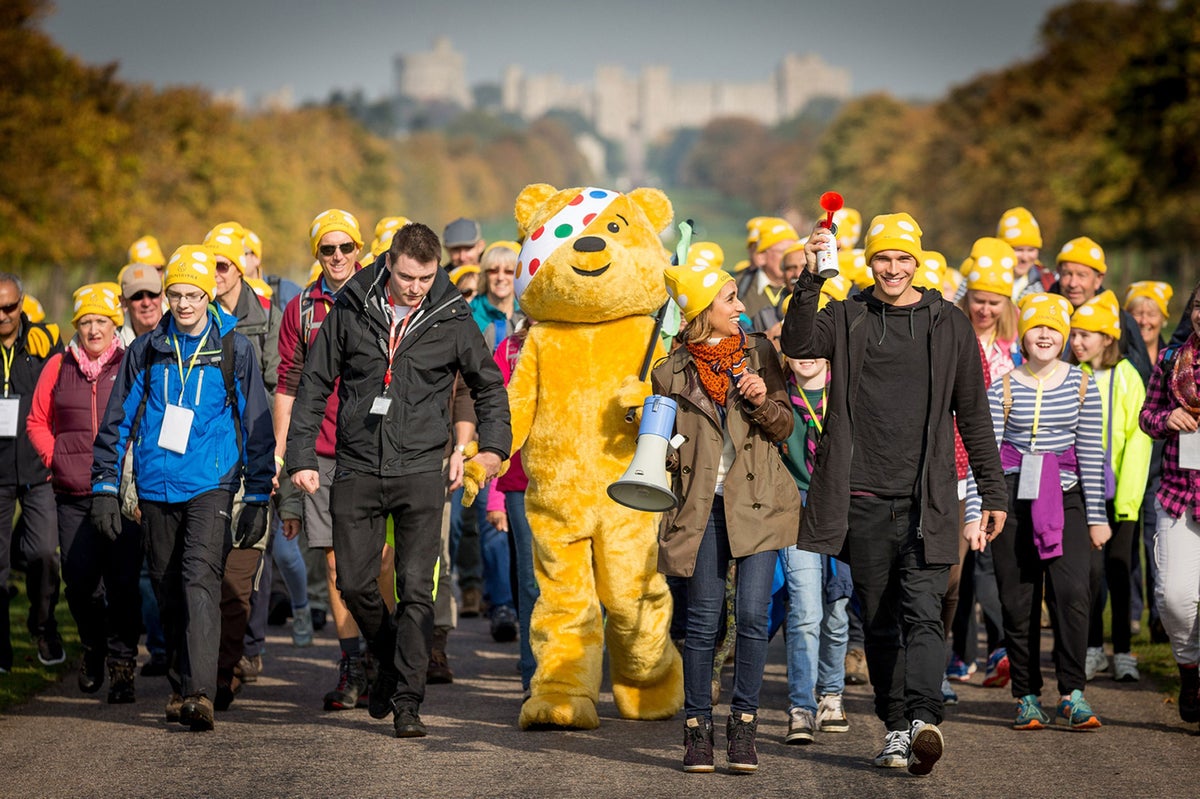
740 732
698 746
504 624
1189 694
407 722
50 650
120 680
91 670
380 706
351 684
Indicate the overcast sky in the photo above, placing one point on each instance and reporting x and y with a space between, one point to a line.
911 48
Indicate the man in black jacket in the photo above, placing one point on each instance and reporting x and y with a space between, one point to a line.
904 366
397 338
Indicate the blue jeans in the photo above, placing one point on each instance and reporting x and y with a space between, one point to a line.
817 631
493 546
706 598
290 562
527 587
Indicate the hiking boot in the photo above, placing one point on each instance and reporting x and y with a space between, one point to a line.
197 713
174 706
1075 711
302 627
925 748
407 722
380 706
996 673
1189 692
120 680
960 671
91 670
504 624
50 650
351 684
1124 666
740 731
1095 662
895 750
156 666
248 669
831 716
472 603
856 667
698 746
800 726
1030 715
438 672
949 697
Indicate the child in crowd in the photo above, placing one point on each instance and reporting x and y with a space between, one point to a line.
737 502
1047 419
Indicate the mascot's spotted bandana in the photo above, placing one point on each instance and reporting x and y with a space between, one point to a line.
564 225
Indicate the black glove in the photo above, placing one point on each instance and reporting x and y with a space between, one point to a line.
252 525
106 515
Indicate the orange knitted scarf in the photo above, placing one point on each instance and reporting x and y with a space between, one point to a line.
716 363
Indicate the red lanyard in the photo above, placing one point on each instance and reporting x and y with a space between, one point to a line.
394 339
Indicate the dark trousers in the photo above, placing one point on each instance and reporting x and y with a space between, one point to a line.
237 583
1108 576
38 544
1020 573
101 578
901 597
360 505
185 555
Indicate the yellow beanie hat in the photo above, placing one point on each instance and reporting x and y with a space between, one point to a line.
774 231
261 287
992 262
314 272
1018 227
194 265
459 272
754 229
332 220
893 232
931 266
834 288
1161 293
694 287
853 266
849 227
1050 310
33 309
508 245
146 251
99 298
389 224
228 240
706 253
1083 251
253 243
1100 314
952 281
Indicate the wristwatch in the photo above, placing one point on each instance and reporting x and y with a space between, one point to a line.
461 449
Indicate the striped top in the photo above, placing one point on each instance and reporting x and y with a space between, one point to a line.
1062 423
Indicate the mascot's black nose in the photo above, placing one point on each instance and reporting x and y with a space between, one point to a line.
589 244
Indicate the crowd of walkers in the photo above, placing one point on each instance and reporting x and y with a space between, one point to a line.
1007 442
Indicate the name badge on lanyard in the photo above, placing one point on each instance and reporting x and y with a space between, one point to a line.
10 404
383 403
1030 481
177 420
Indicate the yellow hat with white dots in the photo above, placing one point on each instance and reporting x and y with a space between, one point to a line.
103 299
991 269
193 265
146 250
1100 314
1018 228
1050 310
1083 251
694 287
849 227
893 232
706 253
1158 292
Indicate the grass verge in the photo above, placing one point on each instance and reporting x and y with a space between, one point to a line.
28 676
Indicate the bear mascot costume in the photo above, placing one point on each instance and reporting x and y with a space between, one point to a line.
591 273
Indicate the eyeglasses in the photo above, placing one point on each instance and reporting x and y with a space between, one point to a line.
11 309
142 296
346 247
224 266
191 297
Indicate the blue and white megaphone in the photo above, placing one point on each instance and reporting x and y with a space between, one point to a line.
645 485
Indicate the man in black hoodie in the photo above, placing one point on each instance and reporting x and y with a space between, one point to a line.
904 366
397 337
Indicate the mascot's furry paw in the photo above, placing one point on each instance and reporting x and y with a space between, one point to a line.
633 392
474 475
661 699
561 712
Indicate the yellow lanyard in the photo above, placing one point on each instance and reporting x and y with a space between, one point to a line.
1037 403
816 420
773 294
8 355
183 378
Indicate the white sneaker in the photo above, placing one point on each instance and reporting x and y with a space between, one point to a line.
925 747
895 750
1095 662
831 716
1125 667
800 726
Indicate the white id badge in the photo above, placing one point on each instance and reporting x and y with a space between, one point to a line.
381 405
10 414
1030 481
1189 450
176 428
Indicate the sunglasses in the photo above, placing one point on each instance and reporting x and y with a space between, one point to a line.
142 296
224 266
328 250
11 309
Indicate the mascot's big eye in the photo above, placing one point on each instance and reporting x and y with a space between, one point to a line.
613 227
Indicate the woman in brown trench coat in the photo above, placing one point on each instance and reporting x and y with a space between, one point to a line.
737 501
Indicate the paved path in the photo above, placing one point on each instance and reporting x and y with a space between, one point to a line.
276 741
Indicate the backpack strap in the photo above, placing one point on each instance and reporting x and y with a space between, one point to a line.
227 364
1007 401
141 408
